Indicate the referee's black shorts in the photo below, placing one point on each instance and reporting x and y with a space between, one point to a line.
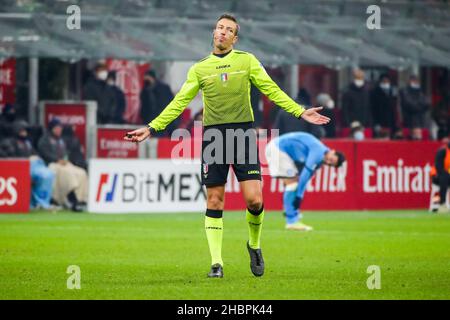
232 144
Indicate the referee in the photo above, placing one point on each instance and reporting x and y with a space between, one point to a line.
224 77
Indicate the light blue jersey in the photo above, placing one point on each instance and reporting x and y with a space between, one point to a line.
303 148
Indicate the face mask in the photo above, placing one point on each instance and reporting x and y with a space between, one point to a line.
330 104
359 83
358 136
414 85
102 75
385 86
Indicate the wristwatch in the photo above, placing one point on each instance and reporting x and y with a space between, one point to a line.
152 130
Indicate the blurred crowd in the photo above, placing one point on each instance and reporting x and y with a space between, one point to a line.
374 111
366 110
58 167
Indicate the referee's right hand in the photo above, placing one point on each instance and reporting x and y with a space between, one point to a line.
138 135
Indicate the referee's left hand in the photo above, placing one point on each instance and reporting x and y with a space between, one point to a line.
312 115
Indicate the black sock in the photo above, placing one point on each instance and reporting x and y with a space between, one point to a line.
72 198
256 212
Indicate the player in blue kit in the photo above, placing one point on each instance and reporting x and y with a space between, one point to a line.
294 157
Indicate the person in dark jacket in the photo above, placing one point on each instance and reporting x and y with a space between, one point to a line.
414 104
119 96
98 90
441 115
71 183
42 178
74 148
382 102
324 100
441 175
285 123
355 101
7 119
155 96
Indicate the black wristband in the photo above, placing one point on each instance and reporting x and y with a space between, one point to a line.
152 131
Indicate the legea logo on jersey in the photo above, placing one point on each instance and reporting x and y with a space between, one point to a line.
104 183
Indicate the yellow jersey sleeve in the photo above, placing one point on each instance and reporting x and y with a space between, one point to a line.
260 78
182 99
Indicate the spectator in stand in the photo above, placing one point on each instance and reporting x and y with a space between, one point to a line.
303 97
441 175
74 147
7 148
285 123
155 96
324 100
7 119
42 178
441 115
414 107
398 135
71 182
357 131
356 102
98 90
119 96
197 117
382 102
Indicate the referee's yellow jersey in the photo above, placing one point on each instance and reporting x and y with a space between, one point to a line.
225 85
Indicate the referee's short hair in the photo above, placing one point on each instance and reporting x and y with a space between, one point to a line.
232 18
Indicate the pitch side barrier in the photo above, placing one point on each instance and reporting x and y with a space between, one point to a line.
377 175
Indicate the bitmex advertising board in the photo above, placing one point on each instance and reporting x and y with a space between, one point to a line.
141 186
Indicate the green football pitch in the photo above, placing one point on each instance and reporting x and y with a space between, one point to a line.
165 256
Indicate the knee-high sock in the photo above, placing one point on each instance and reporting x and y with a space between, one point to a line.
255 220
292 213
214 234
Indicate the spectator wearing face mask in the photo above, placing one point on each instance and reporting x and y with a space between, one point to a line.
414 106
382 102
355 101
42 178
357 131
119 96
98 90
71 182
155 96
324 100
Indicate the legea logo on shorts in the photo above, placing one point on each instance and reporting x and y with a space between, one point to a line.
8 191
104 183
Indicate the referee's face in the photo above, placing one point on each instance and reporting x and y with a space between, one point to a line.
225 34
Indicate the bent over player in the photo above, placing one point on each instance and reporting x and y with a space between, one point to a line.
224 78
294 157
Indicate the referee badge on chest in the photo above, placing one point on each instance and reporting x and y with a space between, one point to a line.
224 78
